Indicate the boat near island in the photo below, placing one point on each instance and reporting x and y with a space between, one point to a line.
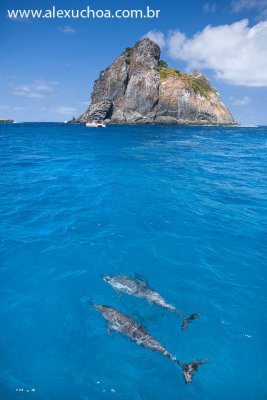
95 124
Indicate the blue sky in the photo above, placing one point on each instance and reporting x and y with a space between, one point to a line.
48 66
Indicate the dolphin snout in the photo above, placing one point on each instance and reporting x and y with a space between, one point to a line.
96 306
90 303
106 278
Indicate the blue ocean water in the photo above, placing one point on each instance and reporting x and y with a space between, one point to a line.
184 207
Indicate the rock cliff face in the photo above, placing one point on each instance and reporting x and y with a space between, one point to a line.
138 88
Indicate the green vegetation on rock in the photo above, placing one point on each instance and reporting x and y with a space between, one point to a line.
163 64
166 72
197 84
128 52
200 86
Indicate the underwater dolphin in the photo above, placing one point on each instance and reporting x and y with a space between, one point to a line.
139 288
122 323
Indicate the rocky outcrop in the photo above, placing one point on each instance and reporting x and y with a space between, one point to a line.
138 88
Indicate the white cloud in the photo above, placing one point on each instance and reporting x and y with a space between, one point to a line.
27 91
20 108
66 29
37 89
65 110
157 37
43 86
4 107
7 111
209 7
237 53
259 5
241 102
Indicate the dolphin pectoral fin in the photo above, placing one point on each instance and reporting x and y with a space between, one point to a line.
138 276
187 320
110 327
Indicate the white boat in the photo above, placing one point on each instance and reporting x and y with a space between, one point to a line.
95 124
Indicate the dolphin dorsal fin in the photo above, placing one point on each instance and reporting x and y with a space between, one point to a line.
140 280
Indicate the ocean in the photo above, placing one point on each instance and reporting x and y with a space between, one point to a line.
185 208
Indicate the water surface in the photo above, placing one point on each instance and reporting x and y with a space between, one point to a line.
184 207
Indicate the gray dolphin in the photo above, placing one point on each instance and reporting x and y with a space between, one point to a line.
122 323
139 288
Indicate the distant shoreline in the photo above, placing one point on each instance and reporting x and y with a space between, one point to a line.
6 121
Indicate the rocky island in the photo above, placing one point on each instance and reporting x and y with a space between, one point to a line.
6 121
140 88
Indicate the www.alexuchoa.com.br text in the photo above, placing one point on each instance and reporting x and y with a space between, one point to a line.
86 13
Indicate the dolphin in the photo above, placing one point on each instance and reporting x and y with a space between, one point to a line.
122 323
139 288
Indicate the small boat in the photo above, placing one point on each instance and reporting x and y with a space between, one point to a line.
95 124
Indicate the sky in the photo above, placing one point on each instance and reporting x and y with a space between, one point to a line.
48 66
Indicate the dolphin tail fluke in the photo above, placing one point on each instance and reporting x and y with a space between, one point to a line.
190 369
187 320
